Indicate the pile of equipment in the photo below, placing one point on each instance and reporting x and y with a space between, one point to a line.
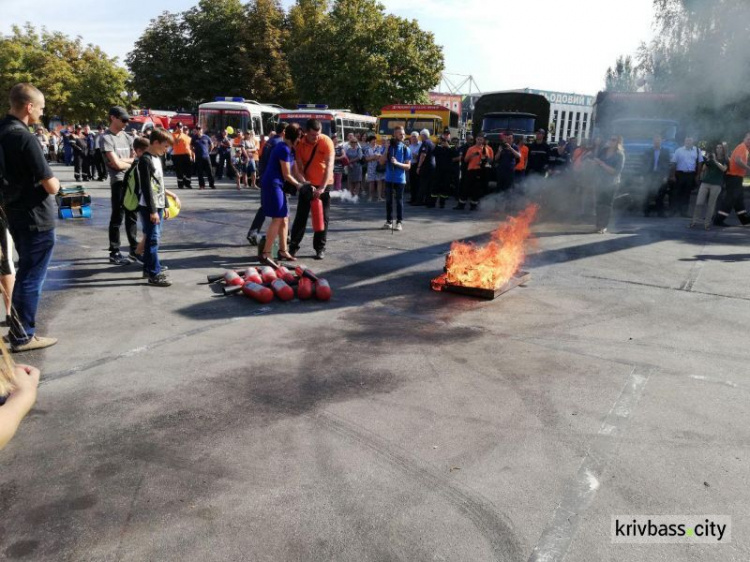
269 281
73 201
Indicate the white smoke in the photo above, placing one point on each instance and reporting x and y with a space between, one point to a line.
345 196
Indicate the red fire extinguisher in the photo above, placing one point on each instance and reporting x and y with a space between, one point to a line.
318 222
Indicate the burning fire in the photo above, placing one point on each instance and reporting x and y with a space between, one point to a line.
492 265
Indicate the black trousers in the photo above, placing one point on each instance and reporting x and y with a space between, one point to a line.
79 171
183 169
732 200
89 166
657 189
505 179
413 184
203 170
425 184
115 221
300 220
442 183
473 188
100 165
683 189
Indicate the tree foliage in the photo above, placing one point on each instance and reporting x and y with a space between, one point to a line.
79 82
621 78
347 53
356 55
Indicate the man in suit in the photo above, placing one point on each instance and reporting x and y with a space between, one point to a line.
656 170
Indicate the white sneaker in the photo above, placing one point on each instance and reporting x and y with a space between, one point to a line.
399 226
387 225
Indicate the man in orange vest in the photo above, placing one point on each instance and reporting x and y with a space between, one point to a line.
733 196
313 164
182 156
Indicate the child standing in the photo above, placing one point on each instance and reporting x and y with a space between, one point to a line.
153 201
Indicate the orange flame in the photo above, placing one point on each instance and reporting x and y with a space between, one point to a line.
492 265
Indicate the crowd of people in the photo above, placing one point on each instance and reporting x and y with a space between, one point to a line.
305 163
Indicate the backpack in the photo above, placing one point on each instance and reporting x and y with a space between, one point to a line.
131 196
9 193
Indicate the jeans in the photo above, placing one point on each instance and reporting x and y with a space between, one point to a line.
394 190
224 159
34 253
300 220
115 221
151 236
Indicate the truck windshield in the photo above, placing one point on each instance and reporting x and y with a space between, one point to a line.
645 129
508 123
387 124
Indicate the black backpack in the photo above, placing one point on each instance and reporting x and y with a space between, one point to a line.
9 193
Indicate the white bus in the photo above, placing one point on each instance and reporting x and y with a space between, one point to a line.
339 121
238 113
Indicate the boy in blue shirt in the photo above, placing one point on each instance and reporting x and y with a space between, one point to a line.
397 162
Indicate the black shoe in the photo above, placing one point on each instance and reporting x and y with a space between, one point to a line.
180 187
160 280
213 187
319 256
474 207
292 249
442 203
118 259
460 207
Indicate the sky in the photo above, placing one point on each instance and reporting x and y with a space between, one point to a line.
563 46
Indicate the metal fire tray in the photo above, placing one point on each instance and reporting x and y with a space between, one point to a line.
520 278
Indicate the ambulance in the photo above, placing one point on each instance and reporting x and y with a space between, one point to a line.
339 121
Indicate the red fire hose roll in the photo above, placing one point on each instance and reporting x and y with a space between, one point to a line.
304 289
257 292
322 290
282 290
318 221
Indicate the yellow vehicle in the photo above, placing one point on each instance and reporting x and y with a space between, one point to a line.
434 118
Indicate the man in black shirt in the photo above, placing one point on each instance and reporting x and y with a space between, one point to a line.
28 203
539 154
425 168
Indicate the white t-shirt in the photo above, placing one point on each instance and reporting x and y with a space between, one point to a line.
685 159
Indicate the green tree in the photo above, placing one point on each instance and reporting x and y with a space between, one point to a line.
218 47
622 77
269 76
79 82
160 64
355 55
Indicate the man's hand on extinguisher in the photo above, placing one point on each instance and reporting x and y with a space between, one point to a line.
317 192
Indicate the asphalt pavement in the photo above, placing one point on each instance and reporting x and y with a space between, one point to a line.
393 422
